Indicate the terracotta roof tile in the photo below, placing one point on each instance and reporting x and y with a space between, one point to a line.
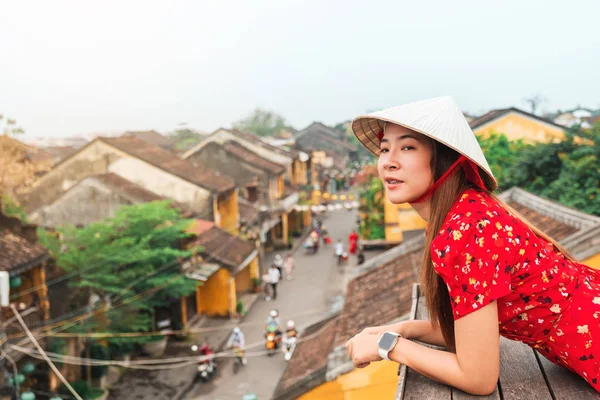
128 188
248 212
225 248
551 227
201 176
243 153
19 255
151 137
292 153
199 226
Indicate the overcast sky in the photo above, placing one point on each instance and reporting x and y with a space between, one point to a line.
73 67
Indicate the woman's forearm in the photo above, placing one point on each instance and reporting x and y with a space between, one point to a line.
441 366
423 331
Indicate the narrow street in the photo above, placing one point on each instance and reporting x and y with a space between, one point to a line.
317 286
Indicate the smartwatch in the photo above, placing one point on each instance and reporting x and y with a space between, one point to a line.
387 341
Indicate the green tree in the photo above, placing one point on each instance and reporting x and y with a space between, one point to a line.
263 123
501 155
8 126
132 258
371 197
184 137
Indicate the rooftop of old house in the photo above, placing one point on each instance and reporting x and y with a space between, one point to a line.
221 247
18 254
167 161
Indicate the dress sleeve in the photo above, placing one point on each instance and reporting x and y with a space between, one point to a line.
476 264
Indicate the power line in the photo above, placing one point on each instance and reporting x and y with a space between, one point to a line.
155 364
37 345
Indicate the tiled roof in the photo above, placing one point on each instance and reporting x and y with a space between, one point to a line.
292 153
18 254
553 228
201 176
322 132
128 188
494 114
308 365
248 212
222 247
151 137
243 153
199 226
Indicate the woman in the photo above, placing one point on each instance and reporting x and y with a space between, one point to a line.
353 241
288 265
486 271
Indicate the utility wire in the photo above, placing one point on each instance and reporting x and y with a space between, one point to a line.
15 372
37 345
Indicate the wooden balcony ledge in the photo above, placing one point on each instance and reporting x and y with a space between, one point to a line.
524 374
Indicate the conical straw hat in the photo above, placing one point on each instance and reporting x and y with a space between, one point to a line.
440 118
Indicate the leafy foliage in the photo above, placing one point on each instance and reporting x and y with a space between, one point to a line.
185 138
372 225
566 171
132 259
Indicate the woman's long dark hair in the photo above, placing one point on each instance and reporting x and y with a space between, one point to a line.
433 287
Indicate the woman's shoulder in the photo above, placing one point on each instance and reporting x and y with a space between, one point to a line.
472 213
472 206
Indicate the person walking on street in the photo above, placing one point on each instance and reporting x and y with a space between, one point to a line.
353 241
274 278
288 265
339 251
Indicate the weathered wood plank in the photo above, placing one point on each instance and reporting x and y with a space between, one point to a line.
402 369
520 374
565 384
419 387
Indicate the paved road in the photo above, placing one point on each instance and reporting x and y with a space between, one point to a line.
318 285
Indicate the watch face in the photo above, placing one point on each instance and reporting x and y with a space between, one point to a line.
387 340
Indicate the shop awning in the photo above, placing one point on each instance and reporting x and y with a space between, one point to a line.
201 272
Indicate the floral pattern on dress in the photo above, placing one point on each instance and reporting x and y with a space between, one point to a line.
485 254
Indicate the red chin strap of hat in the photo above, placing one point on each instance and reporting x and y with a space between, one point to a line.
471 172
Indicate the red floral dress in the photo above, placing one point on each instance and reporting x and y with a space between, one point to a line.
484 254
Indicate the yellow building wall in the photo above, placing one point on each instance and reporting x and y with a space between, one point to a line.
228 213
254 268
243 281
280 187
593 261
400 218
213 295
516 126
378 381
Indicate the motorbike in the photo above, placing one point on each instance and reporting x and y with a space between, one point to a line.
206 370
238 361
289 345
273 340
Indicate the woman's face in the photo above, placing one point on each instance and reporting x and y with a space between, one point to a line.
404 164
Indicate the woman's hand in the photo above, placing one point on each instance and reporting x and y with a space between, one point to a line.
396 328
363 348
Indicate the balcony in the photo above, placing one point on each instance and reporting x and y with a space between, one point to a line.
524 374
